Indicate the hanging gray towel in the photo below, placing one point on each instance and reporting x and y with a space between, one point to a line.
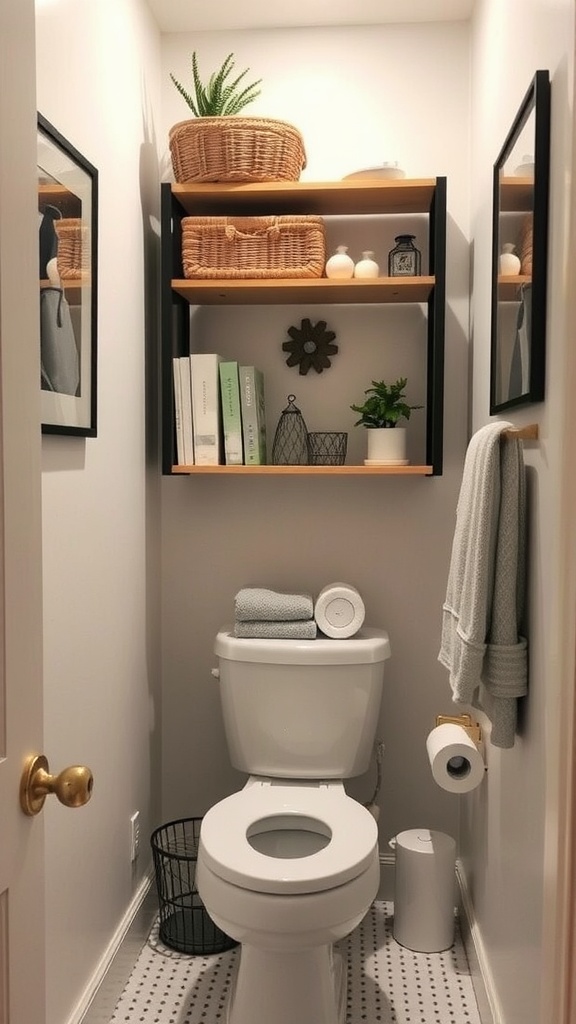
481 646
520 365
60 365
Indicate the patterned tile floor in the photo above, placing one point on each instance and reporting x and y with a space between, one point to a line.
387 984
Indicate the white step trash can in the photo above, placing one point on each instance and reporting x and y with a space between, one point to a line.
424 890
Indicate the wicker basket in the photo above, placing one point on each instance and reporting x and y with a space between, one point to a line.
524 246
253 247
236 149
72 253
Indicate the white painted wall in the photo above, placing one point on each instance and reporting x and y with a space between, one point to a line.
359 96
98 84
510 829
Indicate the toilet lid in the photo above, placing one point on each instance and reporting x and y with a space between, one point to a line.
339 838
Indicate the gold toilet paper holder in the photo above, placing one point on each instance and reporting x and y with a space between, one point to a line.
468 724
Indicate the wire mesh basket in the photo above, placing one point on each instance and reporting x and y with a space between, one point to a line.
327 447
184 922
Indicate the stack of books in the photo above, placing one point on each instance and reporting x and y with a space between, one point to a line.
219 412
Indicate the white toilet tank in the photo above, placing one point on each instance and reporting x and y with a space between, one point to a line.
305 709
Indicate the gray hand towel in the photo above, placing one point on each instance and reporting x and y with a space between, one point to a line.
481 646
259 604
295 630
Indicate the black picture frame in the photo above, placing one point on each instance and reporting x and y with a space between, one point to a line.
68 265
520 218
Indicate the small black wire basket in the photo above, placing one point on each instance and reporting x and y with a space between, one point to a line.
327 448
184 922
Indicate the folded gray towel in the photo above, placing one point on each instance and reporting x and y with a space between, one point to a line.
295 630
260 605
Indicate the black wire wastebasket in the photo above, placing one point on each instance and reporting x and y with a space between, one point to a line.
184 922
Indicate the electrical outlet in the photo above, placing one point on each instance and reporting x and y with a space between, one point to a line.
134 835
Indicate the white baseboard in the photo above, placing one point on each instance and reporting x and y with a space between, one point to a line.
484 989
100 996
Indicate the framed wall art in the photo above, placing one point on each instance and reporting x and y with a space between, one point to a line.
519 254
68 260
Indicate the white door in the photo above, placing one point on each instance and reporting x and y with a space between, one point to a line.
22 937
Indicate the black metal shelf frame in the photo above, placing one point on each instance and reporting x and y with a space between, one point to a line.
175 322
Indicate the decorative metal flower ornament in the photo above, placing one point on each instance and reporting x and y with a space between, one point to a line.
311 346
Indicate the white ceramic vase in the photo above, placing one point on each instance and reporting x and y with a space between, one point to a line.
386 446
367 266
340 264
509 261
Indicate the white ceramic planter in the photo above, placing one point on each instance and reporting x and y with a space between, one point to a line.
386 446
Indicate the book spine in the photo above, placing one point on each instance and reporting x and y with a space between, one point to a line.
178 412
206 415
253 415
187 428
231 413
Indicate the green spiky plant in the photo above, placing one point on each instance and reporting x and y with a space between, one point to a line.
220 98
385 405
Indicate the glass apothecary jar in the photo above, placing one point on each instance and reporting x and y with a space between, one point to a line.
404 260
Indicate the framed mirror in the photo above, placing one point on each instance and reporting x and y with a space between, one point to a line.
519 254
67 240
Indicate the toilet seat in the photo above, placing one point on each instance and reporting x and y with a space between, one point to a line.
350 849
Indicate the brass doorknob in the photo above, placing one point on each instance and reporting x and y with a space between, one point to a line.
73 786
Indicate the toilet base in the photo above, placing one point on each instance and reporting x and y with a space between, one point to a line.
287 987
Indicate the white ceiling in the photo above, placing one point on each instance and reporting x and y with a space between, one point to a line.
206 15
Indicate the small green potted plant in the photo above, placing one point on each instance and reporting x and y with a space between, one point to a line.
382 410
217 145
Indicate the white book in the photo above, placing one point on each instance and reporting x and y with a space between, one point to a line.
206 408
187 428
178 412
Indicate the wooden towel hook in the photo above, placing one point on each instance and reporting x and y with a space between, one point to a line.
527 433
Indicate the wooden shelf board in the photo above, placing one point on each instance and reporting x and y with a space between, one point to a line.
69 204
320 289
329 198
304 470
72 289
509 285
516 195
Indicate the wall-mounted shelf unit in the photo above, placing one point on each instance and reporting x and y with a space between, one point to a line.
342 198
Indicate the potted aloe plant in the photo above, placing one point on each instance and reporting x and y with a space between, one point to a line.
219 97
380 413
218 145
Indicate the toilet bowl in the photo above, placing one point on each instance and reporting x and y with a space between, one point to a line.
289 865
288 869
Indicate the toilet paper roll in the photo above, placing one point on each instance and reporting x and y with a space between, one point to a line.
457 764
339 611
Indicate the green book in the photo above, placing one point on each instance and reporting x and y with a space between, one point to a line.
253 415
231 414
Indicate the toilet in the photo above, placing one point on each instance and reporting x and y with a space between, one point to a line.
289 864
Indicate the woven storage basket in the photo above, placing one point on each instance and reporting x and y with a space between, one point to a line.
524 246
72 253
253 247
236 149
